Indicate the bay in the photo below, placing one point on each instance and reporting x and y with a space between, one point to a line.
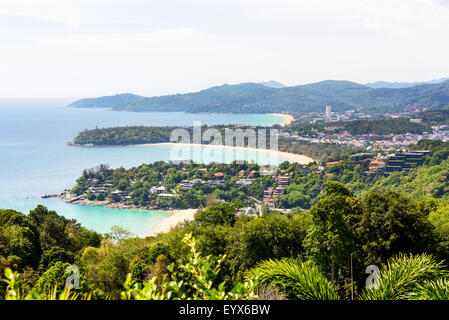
35 160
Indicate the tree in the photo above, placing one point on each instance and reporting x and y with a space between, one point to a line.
390 224
409 277
218 215
142 263
202 273
53 255
119 234
56 276
271 236
19 239
298 280
331 239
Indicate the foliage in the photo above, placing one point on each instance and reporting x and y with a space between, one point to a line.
56 276
385 127
407 277
13 291
299 280
218 215
203 273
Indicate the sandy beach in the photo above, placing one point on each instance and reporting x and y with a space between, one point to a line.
175 217
168 222
287 118
290 157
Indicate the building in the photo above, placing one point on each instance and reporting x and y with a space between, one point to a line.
406 161
269 171
283 180
244 182
332 163
249 211
119 194
215 183
376 164
270 195
361 156
188 184
167 195
328 113
160 190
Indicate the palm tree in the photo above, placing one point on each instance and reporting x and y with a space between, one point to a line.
298 280
410 277
403 277
434 290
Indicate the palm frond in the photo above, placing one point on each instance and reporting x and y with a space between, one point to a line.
298 280
402 275
433 290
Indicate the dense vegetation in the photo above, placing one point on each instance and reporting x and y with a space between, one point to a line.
124 135
430 179
385 127
141 134
434 116
36 245
320 152
341 221
138 183
301 255
257 98
360 127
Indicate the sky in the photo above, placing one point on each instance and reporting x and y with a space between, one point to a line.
89 48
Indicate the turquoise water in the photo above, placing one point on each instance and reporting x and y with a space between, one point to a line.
35 160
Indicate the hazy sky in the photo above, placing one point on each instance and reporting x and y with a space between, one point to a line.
62 48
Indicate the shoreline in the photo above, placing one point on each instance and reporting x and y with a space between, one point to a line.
174 217
167 223
287 118
288 156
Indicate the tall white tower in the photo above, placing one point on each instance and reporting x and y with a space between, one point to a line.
328 113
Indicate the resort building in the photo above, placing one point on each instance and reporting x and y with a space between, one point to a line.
376 164
406 161
244 182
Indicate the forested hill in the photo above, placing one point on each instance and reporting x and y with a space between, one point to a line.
258 98
397 85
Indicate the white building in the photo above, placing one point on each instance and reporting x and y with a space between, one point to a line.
328 113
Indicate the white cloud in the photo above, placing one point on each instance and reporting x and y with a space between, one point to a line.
49 10
149 47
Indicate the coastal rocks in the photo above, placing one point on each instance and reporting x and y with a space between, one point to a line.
69 197
73 144
46 196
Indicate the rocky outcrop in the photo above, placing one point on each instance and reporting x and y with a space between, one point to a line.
69 197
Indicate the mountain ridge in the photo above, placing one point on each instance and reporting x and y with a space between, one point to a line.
399 85
253 97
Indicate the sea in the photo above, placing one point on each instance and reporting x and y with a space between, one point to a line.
36 160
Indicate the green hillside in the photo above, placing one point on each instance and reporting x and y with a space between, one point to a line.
257 98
